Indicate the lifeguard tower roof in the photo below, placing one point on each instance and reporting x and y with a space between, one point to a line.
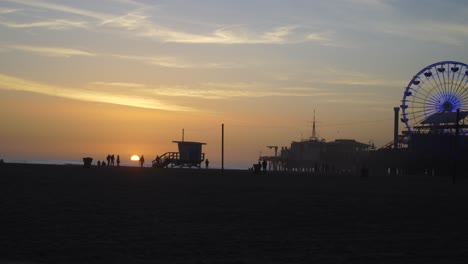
189 142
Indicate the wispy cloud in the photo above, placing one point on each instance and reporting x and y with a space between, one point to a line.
51 51
173 62
161 61
60 8
231 35
142 25
212 90
324 39
139 23
319 37
129 21
119 84
213 94
58 24
13 83
8 10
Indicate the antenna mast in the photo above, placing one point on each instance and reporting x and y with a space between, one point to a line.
314 135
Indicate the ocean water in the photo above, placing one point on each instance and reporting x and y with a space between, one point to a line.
62 162
47 162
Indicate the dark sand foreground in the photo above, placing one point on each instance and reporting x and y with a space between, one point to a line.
69 214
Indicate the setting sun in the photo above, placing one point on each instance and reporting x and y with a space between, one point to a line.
135 158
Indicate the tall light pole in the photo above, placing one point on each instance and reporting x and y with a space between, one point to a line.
222 147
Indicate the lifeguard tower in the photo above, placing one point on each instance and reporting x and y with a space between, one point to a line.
190 155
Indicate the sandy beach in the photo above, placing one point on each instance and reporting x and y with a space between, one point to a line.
69 214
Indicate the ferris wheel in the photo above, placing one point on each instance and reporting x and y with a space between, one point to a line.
438 89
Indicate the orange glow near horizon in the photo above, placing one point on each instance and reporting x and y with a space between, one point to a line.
135 158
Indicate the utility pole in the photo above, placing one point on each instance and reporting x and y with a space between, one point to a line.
222 147
314 134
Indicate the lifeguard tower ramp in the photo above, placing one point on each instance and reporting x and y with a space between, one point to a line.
190 155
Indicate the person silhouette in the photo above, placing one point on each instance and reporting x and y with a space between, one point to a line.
142 160
112 158
207 163
118 161
108 158
264 165
98 163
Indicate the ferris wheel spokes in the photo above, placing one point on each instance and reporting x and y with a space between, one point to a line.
440 88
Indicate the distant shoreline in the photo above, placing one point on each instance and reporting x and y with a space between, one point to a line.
94 164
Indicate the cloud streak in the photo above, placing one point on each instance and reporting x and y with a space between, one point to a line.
173 62
60 8
160 61
8 10
119 84
59 24
224 35
17 84
213 91
140 24
51 51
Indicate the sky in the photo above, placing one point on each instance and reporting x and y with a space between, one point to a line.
91 78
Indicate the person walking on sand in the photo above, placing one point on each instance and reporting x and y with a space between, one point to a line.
207 163
112 159
142 160
264 165
108 159
118 161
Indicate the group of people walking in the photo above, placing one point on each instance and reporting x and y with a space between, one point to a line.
110 161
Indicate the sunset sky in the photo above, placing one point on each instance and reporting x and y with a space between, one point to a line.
91 78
